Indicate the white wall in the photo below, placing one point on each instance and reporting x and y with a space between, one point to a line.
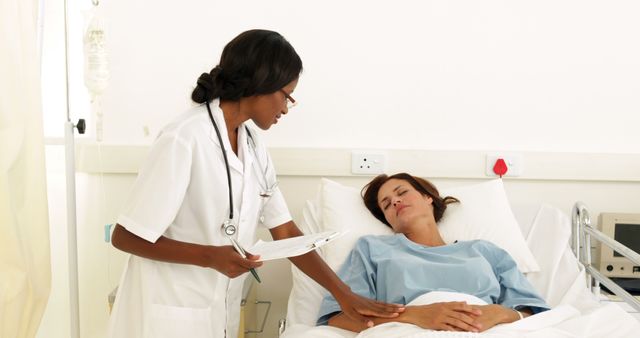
466 75
543 75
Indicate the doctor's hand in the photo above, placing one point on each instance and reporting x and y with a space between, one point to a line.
358 308
226 260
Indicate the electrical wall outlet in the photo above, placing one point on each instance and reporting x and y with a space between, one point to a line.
367 163
515 164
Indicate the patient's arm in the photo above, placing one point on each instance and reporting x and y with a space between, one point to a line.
449 316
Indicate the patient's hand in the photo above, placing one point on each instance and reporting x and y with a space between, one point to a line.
449 316
493 315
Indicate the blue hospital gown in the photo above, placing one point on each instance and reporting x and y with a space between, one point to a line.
394 269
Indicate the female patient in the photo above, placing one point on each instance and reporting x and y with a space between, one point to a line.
399 268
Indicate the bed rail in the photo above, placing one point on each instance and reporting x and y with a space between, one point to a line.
581 233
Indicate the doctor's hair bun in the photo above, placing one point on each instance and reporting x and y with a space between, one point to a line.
206 88
256 62
216 84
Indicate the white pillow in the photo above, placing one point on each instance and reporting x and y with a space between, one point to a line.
343 210
306 295
304 300
484 213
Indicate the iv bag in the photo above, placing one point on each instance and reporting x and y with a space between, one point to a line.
96 63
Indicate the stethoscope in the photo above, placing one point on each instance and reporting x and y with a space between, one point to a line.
228 227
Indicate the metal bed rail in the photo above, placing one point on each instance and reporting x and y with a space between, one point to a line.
581 233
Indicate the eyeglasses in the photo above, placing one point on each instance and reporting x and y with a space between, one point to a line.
291 102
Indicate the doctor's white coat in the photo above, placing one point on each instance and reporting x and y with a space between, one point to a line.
181 192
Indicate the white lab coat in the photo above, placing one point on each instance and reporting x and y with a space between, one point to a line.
181 192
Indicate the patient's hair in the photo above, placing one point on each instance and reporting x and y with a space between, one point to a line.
370 195
256 62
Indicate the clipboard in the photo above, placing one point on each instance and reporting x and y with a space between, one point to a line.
291 247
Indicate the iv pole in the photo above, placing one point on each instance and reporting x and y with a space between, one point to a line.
70 171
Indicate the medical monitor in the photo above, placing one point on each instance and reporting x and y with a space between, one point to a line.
624 228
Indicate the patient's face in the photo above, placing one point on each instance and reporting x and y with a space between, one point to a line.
403 206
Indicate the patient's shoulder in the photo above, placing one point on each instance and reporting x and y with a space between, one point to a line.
375 245
484 246
376 240
481 243
490 250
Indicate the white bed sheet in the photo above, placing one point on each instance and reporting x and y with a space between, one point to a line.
561 281
561 322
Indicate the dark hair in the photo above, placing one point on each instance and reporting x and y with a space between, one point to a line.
255 62
370 194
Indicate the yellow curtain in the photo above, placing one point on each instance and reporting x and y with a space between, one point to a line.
25 268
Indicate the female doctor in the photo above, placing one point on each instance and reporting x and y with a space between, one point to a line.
209 180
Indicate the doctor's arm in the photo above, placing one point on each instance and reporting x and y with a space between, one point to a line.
356 307
221 258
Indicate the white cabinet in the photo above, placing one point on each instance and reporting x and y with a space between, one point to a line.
247 308
250 325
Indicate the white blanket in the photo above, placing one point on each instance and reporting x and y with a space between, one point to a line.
563 321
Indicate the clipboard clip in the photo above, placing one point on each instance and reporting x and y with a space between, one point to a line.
324 240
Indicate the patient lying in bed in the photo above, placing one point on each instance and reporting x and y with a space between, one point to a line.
401 267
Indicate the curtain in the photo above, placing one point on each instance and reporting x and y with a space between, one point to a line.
25 269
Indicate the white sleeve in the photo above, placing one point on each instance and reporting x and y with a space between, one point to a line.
159 190
275 211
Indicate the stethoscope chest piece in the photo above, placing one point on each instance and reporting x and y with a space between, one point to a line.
228 228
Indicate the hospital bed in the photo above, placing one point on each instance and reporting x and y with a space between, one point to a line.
581 235
554 255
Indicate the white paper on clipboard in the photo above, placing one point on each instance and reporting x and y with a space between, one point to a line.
291 247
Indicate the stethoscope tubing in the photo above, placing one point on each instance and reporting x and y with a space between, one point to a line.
228 227
226 161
